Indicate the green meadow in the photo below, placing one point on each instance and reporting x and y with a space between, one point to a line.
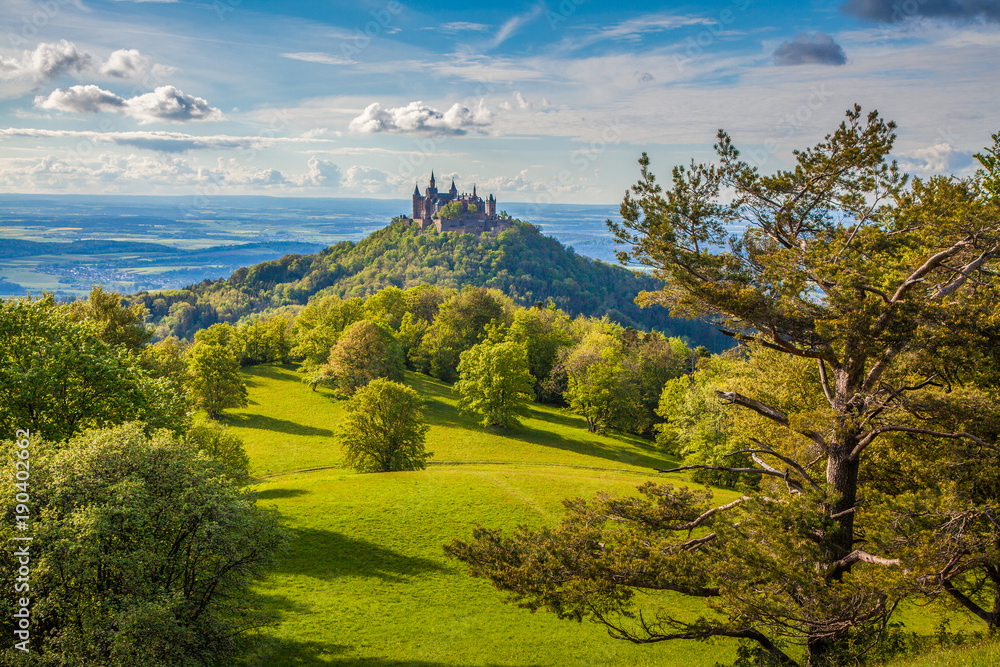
364 581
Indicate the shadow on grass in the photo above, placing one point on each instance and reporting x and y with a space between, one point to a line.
266 423
275 494
281 652
439 411
327 555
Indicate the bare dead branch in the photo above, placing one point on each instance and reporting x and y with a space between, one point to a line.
869 437
966 272
691 525
753 471
771 413
856 556
825 384
792 462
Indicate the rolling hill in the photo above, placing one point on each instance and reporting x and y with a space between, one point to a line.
520 262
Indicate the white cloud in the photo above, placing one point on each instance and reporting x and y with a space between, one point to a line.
318 57
164 142
321 173
942 158
50 60
47 61
320 133
80 99
419 118
125 64
521 102
515 23
463 26
110 172
170 104
166 103
370 180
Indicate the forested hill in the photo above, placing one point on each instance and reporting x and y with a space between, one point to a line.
520 262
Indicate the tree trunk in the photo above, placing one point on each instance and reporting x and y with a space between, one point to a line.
842 481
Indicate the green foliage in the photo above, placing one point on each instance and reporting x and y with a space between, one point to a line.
144 553
384 429
520 262
219 443
365 351
451 211
58 376
460 323
118 323
495 382
166 359
214 378
597 385
543 332
319 325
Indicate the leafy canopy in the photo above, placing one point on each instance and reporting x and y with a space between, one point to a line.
494 382
384 429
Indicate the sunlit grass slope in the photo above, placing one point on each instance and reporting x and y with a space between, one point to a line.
365 581
979 655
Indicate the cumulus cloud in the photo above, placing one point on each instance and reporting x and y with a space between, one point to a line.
111 172
166 103
318 57
894 11
49 61
942 158
816 49
416 117
321 173
125 64
80 99
370 180
521 102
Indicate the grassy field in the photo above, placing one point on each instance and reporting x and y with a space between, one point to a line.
365 581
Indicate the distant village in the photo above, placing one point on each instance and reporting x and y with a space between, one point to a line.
453 212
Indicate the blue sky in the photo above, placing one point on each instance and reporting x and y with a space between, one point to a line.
533 101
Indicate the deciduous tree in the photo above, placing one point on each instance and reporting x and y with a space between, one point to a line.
384 429
495 383
214 381
144 553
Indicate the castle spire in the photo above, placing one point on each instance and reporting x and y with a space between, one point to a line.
432 178
473 189
416 190
453 190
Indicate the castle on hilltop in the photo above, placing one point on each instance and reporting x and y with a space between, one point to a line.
453 212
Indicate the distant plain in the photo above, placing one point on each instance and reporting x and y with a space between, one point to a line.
152 243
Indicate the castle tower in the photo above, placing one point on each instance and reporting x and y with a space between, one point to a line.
418 202
473 190
432 180
491 207
453 191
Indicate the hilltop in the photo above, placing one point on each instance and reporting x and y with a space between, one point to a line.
520 261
